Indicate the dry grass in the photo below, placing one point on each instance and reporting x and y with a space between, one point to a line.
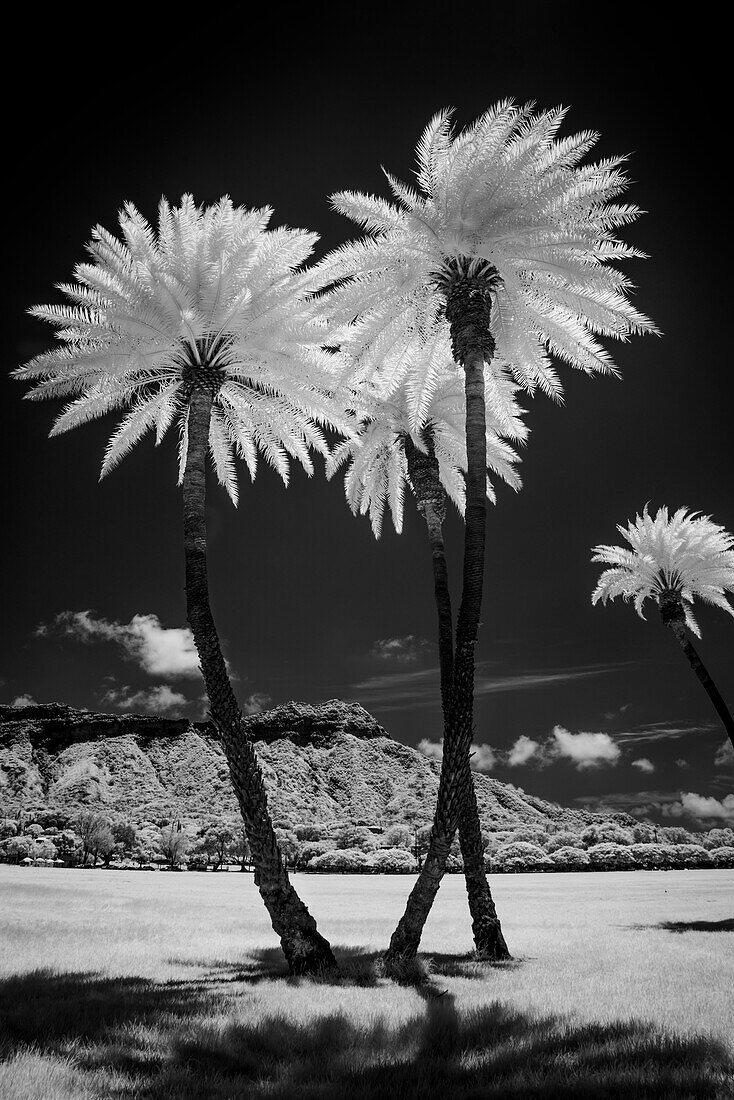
138 986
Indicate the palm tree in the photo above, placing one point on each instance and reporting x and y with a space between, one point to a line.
204 324
507 246
673 561
389 452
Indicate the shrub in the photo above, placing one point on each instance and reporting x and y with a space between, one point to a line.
520 856
718 838
723 857
312 832
564 840
341 861
392 861
570 859
693 855
397 836
356 836
611 857
310 850
651 856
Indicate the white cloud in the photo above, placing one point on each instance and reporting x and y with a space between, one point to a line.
256 703
401 651
168 652
155 700
644 764
432 749
702 808
724 754
586 750
482 757
522 751
23 701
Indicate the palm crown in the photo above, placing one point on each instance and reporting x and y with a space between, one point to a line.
375 455
507 198
685 555
212 298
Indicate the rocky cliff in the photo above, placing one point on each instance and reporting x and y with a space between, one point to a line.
325 763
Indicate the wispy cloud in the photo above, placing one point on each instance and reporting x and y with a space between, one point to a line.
410 690
725 754
167 652
661 731
644 765
637 803
401 651
524 750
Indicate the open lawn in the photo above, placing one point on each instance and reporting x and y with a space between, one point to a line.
148 985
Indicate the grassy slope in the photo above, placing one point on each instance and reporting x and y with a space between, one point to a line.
155 985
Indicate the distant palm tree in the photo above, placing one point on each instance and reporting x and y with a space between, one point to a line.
674 560
388 453
507 245
203 324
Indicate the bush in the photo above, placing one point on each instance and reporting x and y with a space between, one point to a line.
312 832
651 856
693 855
392 861
398 836
723 857
570 859
520 856
356 836
564 840
611 857
310 850
341 861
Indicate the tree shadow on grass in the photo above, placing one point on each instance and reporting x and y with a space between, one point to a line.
357 966
691 925
136 1039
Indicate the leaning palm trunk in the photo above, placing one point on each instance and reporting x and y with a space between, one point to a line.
673 615
305 949
468 308
431 500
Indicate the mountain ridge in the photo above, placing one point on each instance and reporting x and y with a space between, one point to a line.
328 762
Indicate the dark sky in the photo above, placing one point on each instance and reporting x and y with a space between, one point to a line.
272 111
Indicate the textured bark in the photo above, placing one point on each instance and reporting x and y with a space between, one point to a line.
673 615
468 304
430 495
305 949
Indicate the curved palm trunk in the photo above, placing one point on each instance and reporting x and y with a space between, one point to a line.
305 949
468 306
431 499
672 614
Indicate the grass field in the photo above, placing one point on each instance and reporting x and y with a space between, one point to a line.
144 985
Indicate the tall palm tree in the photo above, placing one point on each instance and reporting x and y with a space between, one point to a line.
204 324
673 560
507 246
389 452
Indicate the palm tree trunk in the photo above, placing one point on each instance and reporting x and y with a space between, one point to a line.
455 777
489 942
676 623
305 949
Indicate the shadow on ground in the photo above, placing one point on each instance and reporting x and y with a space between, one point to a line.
691 925
136 1039
357 966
